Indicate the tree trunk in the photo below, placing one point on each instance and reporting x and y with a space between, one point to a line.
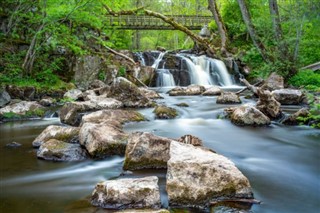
168 20
221 27
255 39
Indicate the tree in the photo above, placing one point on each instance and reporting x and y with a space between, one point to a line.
221 27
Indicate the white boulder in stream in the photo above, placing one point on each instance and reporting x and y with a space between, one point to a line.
56 150
197 176
127 193
247 116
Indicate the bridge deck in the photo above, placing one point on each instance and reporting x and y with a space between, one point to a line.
142 22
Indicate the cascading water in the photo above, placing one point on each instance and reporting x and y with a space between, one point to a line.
165 78
141 58
207 71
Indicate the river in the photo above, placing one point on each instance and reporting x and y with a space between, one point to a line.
282 163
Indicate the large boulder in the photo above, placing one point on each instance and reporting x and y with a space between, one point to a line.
61 133
212 91
73 94
127 193
274 82
164 112
24 93
190 139
23 108
267 104
121 116
128 93
145 150
57 150
102 102
151 94
228 98
71 113
196 176
186 91
288 96
4 97
293 119
103 139
248 116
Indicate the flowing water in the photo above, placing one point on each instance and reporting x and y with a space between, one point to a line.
282 163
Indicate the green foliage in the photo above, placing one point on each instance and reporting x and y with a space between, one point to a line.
306 78
122 72
29 114
313 119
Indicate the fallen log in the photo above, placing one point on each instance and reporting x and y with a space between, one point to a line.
249 86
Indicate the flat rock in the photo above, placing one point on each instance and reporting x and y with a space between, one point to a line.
56 150
21 108
62 133
145 150
212 91
228 98
197 176
127 193
248 116
103 139
186 91
73 94
108 115
288 96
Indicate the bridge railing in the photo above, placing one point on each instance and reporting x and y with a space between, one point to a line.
150 22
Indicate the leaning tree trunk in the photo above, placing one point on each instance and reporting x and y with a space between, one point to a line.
255 39
221 27
168 20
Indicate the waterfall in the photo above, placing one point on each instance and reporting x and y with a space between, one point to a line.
141 58
158 60
165 78
207 71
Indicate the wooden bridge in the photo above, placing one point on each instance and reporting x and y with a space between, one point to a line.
143 22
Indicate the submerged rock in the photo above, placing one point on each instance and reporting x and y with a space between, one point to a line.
197 176
164 112
267 104
56 150
293 119
103 139
248 116
186 91
228 98
112 115
66 134
145 150
288 96
13 144
212 91
182 105
127 193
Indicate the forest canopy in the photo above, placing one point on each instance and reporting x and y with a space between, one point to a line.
39 38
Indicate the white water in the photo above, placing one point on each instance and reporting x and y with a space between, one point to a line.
158 60
202 68
141 58
165 78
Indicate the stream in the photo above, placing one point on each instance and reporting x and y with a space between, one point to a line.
281 162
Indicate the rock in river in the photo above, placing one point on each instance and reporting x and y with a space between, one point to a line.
145 150
103 139
288 96
56 150
164 112
212 91
248 116
66 134
189 90
127 193
228 98
197 176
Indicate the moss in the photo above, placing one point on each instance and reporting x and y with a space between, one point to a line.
164 112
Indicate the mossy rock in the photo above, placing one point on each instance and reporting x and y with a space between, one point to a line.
164 112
